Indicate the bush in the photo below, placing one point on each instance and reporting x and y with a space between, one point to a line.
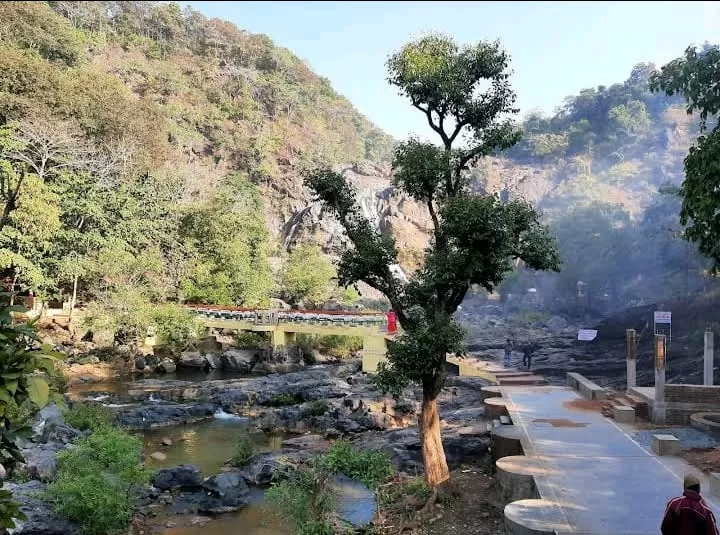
175 325
304 500
95 481
252 340
316 408
244 449
333 345
284 398
371 467
88 416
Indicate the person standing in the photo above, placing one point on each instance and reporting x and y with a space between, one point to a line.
689 514
528 351
508 351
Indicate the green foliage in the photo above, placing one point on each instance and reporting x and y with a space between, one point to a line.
415 486
95 481
304 500
371 467
244 449
88 416
252 340
334 345
465 94
227 242
316 408
176 326
285 398
307 276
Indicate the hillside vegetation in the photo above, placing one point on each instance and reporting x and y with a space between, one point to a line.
144 149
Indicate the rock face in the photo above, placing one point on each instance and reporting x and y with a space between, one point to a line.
183 476
162 415
41 520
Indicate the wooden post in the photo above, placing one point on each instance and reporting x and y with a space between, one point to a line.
660 363
631 336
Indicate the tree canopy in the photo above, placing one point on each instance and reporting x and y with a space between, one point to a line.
696 76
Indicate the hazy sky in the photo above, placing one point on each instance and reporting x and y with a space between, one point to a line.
557 48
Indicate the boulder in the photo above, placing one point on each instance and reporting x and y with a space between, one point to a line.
41 520
49 414
41 460
239 360
209 345
140 363
222 493
183 476
263 468
192 359
167 366
214 361
556 324
158 456
166 441
165 414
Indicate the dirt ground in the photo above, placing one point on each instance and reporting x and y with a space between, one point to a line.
707 460
470 504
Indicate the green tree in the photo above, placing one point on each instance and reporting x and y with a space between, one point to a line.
227 242
23 377
307 275
464 93
696 76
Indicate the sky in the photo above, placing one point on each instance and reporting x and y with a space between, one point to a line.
556 48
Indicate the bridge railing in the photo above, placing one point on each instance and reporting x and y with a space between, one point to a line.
274 317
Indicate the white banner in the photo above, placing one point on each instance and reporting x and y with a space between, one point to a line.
663 317
586 335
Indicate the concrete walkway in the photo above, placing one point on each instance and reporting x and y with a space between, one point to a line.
592 477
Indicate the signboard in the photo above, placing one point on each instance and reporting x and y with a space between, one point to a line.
587 335
663 317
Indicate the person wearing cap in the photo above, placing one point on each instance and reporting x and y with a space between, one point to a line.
689 514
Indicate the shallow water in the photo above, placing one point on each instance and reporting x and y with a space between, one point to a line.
207 445
253 519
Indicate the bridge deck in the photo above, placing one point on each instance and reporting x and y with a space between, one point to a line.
599 479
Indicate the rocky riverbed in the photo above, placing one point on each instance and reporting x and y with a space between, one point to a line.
296 415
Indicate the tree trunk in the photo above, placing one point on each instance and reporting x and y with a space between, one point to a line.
12 288
436 469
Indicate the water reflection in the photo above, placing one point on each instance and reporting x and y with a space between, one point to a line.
206 444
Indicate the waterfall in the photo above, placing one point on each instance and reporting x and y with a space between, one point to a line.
293 225
370 200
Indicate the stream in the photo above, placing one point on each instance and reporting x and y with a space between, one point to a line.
207 445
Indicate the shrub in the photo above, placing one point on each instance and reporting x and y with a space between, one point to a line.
175 325
370 467
252 340
304 500
334 345
244 449
316 408
284 398
84 416
95 481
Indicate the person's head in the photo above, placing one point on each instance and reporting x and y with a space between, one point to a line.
691 483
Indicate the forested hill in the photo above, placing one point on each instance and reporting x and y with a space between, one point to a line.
151 145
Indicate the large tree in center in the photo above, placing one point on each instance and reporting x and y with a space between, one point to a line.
465 95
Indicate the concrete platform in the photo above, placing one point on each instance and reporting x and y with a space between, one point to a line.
597 480
495 407
526 380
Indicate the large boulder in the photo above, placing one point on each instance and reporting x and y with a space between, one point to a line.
41 460
41 520
556 324
183 476
48 415
222 493
209 345
165 414
239 360
166 366
192 359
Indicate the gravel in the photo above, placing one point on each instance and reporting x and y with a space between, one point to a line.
690 438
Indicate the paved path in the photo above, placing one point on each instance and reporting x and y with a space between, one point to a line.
602 481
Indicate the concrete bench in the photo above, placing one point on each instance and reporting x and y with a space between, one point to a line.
504 420
623 414
665 445
585 386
